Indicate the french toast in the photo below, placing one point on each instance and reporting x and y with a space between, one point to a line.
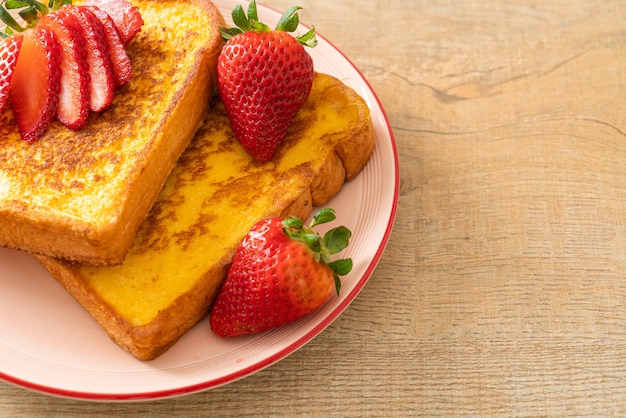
82 195
211 199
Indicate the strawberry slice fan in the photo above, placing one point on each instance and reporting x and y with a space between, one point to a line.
62 61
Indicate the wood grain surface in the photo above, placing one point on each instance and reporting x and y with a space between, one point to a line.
502 291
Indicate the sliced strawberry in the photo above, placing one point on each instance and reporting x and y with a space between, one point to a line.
101 78
127 18
9 51
122 69
73 108
36 82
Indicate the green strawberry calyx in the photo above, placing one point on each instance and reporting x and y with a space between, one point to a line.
28 13
333 241
250 23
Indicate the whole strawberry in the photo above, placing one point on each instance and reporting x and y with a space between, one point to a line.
280 272
264 77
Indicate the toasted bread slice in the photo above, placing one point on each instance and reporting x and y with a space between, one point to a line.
210 201
82 195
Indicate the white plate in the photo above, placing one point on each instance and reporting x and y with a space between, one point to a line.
48 343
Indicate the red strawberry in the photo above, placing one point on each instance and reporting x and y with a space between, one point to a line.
36 82
73 108
280 272
9 51
101 78
122 69
92 63
127 18
264 78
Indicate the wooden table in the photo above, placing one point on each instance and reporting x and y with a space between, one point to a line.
503 287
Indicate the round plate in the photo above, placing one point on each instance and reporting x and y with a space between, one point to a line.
48 343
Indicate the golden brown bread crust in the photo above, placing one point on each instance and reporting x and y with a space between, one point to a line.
149 341
300 185
82 195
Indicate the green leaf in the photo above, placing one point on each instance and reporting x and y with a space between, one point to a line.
42 8
293 222
308 39
240 19
228 33
341 267
323 216
15 4
252 11
29 14
337 283
337 239
260 27
9 21
313 241
289 21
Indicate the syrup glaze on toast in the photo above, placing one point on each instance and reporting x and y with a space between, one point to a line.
209 202
82 195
